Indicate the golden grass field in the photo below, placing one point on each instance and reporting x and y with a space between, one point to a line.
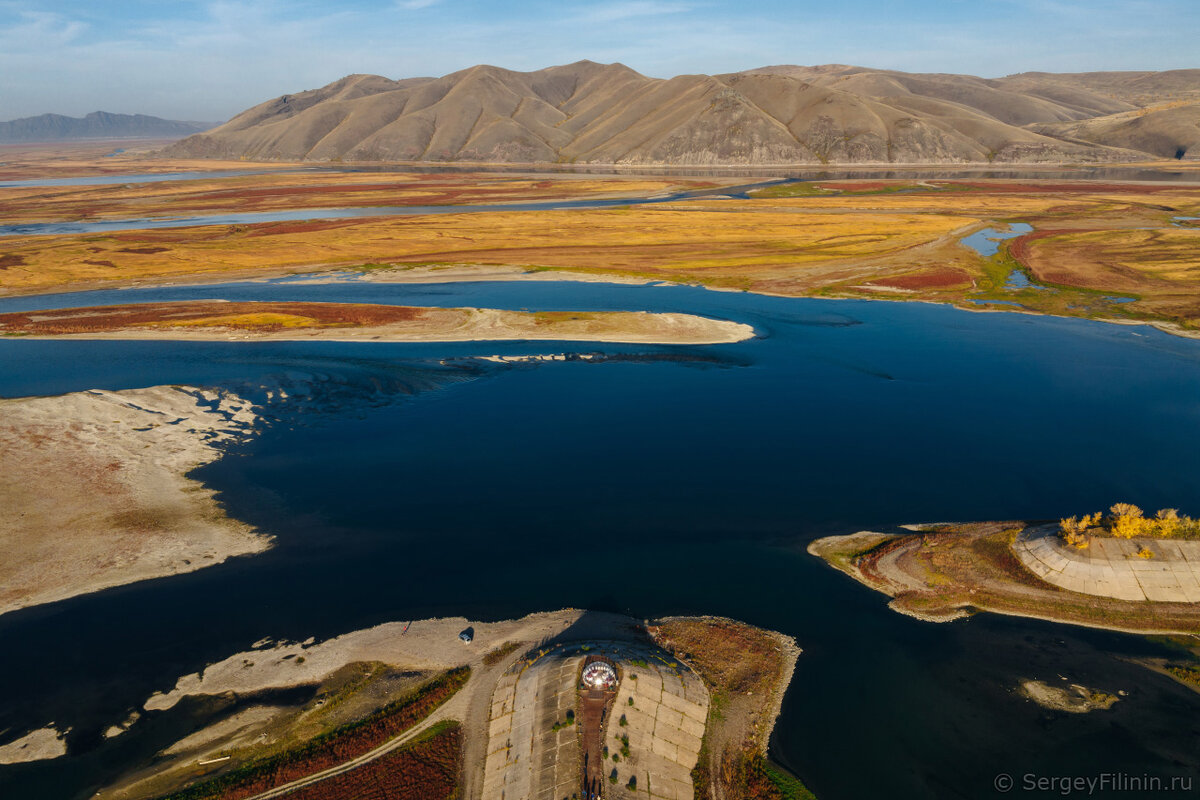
768 250
303 189
1101 249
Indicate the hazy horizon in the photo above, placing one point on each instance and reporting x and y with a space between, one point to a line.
207 60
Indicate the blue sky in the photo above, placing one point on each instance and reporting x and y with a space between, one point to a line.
208 59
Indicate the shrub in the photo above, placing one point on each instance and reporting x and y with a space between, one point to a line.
1127 520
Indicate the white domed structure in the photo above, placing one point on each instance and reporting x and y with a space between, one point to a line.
599 675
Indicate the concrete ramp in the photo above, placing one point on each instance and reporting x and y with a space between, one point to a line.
1112 567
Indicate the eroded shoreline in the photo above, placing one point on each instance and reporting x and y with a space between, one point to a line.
96 493
945 572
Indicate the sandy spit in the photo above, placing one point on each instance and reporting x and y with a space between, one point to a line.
40 745
1074 699
431 644
469 325
95 495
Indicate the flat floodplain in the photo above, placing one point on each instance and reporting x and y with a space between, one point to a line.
1113 249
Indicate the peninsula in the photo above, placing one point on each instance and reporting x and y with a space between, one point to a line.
1121 572
96 492
441 708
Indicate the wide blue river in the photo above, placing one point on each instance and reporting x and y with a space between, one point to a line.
412 480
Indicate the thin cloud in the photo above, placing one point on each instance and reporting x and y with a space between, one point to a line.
615 12
39 30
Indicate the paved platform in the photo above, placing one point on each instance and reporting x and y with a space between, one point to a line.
665 724
1112 567
528 760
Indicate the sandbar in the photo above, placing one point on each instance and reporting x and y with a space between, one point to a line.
95 490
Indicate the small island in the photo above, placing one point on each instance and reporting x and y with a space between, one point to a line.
1121 571
221 320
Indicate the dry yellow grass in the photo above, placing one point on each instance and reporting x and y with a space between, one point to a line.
868 240
1138 261
251 321
309 189
722 248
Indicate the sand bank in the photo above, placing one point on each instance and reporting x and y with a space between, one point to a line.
40 745
430 644
95 490
217 320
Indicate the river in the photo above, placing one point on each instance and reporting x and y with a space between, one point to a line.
412 480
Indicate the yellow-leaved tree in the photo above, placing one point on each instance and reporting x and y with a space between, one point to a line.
1128 521
1169 523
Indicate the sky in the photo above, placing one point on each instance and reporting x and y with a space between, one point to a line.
206 60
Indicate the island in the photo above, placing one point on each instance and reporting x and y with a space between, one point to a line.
222 320
1120 571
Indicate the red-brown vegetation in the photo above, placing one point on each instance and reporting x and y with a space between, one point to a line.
425 770
99 319
1076 187
942 277
307 226
742 668
331 749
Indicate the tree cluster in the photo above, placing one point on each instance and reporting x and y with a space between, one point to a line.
1127 521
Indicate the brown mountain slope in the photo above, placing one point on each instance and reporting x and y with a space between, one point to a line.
1135 88
1033 102
1171 130
609 114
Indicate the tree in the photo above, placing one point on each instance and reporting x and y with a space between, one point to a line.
1169 523
1127 520
1074 530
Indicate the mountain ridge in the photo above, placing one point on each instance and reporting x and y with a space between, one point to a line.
593 113
96 125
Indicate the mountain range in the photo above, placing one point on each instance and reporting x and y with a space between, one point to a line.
834 114
97 125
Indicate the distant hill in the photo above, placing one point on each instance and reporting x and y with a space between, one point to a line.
97 125
610 114
1169 130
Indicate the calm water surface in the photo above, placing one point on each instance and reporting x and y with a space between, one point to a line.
405 481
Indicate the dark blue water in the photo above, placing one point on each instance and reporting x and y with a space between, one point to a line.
406 481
